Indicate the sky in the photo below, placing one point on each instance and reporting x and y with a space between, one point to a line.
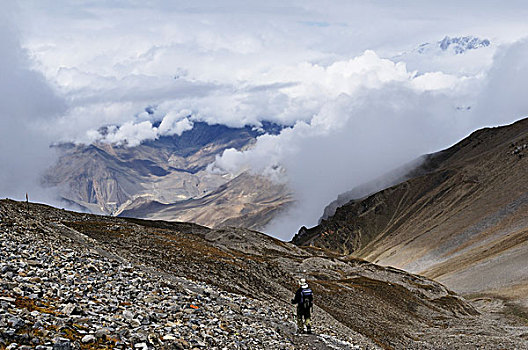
346 76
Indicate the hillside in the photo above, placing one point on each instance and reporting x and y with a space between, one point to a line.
169 173
460 218
246 201
74 280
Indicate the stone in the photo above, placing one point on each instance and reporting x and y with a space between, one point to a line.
16 322
102 333
135 323
183 343
89 338
62 344
68 309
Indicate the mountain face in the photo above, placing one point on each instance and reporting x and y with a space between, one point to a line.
460 217
111 179
246 201
73 280
448 45
456 45
459 56
392 178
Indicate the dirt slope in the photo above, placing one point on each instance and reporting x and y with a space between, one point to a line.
461 218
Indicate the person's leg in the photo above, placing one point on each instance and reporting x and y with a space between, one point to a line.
308 322
300 323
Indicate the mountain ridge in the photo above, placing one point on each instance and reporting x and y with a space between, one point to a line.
463 208
107 178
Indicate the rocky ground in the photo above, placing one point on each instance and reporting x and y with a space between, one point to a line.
79 281
56 293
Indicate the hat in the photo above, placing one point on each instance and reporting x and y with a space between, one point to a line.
302 283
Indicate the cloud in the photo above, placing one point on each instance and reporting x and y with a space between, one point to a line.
356 106
285 95
503 98
227 62
175 123
26 102
132 134
355 138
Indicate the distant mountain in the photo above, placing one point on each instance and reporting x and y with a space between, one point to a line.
460 218
109 179
456 45
466 55
246 201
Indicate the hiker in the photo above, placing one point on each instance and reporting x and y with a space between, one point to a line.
304 300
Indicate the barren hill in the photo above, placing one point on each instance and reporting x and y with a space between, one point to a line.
72 280
461 218
169 175
249 201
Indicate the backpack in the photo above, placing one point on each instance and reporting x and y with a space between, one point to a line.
306 298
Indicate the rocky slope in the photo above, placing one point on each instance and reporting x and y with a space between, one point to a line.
461 218
79 281
168 173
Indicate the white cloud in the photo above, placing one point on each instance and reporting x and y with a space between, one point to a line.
333 72
434 81
132 134
207 57
175 123
355 138
503 97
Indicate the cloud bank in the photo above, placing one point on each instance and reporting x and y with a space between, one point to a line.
131 134
355 138
26 103
348 79
239 62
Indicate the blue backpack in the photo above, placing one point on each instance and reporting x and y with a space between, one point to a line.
306 298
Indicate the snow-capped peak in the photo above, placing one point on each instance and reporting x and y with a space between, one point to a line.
456 45
461 44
